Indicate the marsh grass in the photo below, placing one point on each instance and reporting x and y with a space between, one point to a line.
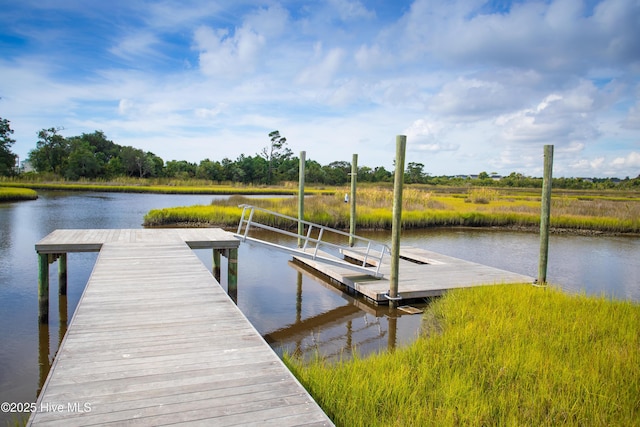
422 209
8 194
161 186
496 355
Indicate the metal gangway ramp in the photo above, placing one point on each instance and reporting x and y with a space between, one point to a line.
318 243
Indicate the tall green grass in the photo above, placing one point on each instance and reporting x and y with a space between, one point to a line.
8 194
496 355
162 187
422 209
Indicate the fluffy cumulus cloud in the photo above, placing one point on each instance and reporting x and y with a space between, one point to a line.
475 85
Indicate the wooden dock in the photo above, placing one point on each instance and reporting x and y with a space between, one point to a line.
155 340
422 274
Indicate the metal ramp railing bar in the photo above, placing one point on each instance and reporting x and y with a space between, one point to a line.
315 247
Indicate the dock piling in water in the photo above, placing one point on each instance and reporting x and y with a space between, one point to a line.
396 221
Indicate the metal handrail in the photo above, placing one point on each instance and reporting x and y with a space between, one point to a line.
370 253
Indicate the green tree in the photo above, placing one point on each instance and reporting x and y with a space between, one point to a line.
414 173
210 170
275 153
337 173
82 161
7 158
133 161
51 152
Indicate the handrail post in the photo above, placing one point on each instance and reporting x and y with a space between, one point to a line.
315 253
306 242
244 209
246 230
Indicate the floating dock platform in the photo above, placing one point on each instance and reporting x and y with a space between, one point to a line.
422 274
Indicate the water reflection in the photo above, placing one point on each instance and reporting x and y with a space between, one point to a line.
354 326
296 311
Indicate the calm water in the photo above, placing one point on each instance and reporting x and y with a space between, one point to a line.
293 310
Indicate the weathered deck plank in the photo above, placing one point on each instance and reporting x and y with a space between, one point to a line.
156 341
432 276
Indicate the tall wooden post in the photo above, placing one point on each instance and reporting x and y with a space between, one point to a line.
303 155
215 269
43 288
396 221
232 275
352 219
62 274
545 214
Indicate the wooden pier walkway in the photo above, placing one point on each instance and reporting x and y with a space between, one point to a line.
156 341
422 274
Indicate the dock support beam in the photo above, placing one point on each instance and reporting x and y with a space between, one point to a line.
43 288
545 214
396 224
303 156
352 219
62 274
43 282
232 279
215 269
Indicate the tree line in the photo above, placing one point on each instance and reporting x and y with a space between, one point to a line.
94 156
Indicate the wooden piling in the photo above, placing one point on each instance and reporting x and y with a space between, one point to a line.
303 155
62 274
352 219
215 269
396 222
545 214
232 279
43 288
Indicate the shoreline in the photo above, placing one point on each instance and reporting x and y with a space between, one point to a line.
518 228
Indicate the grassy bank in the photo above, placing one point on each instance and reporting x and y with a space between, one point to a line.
10 194
422 209
497 355
160 186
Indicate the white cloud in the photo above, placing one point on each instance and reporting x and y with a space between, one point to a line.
632 120
322 71
349 10
473 88
228 55
632 160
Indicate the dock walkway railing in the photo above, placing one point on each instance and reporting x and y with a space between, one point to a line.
317 243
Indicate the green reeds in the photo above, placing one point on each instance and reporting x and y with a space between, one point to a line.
8 194
495 355
168 187
422 209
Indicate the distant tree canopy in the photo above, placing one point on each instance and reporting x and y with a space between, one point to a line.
7 158
94 156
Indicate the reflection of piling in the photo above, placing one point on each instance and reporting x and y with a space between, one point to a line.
545 214
396 225
392 324
43 354
352 220
63 315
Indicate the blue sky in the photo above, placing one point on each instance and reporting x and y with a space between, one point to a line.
475 85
